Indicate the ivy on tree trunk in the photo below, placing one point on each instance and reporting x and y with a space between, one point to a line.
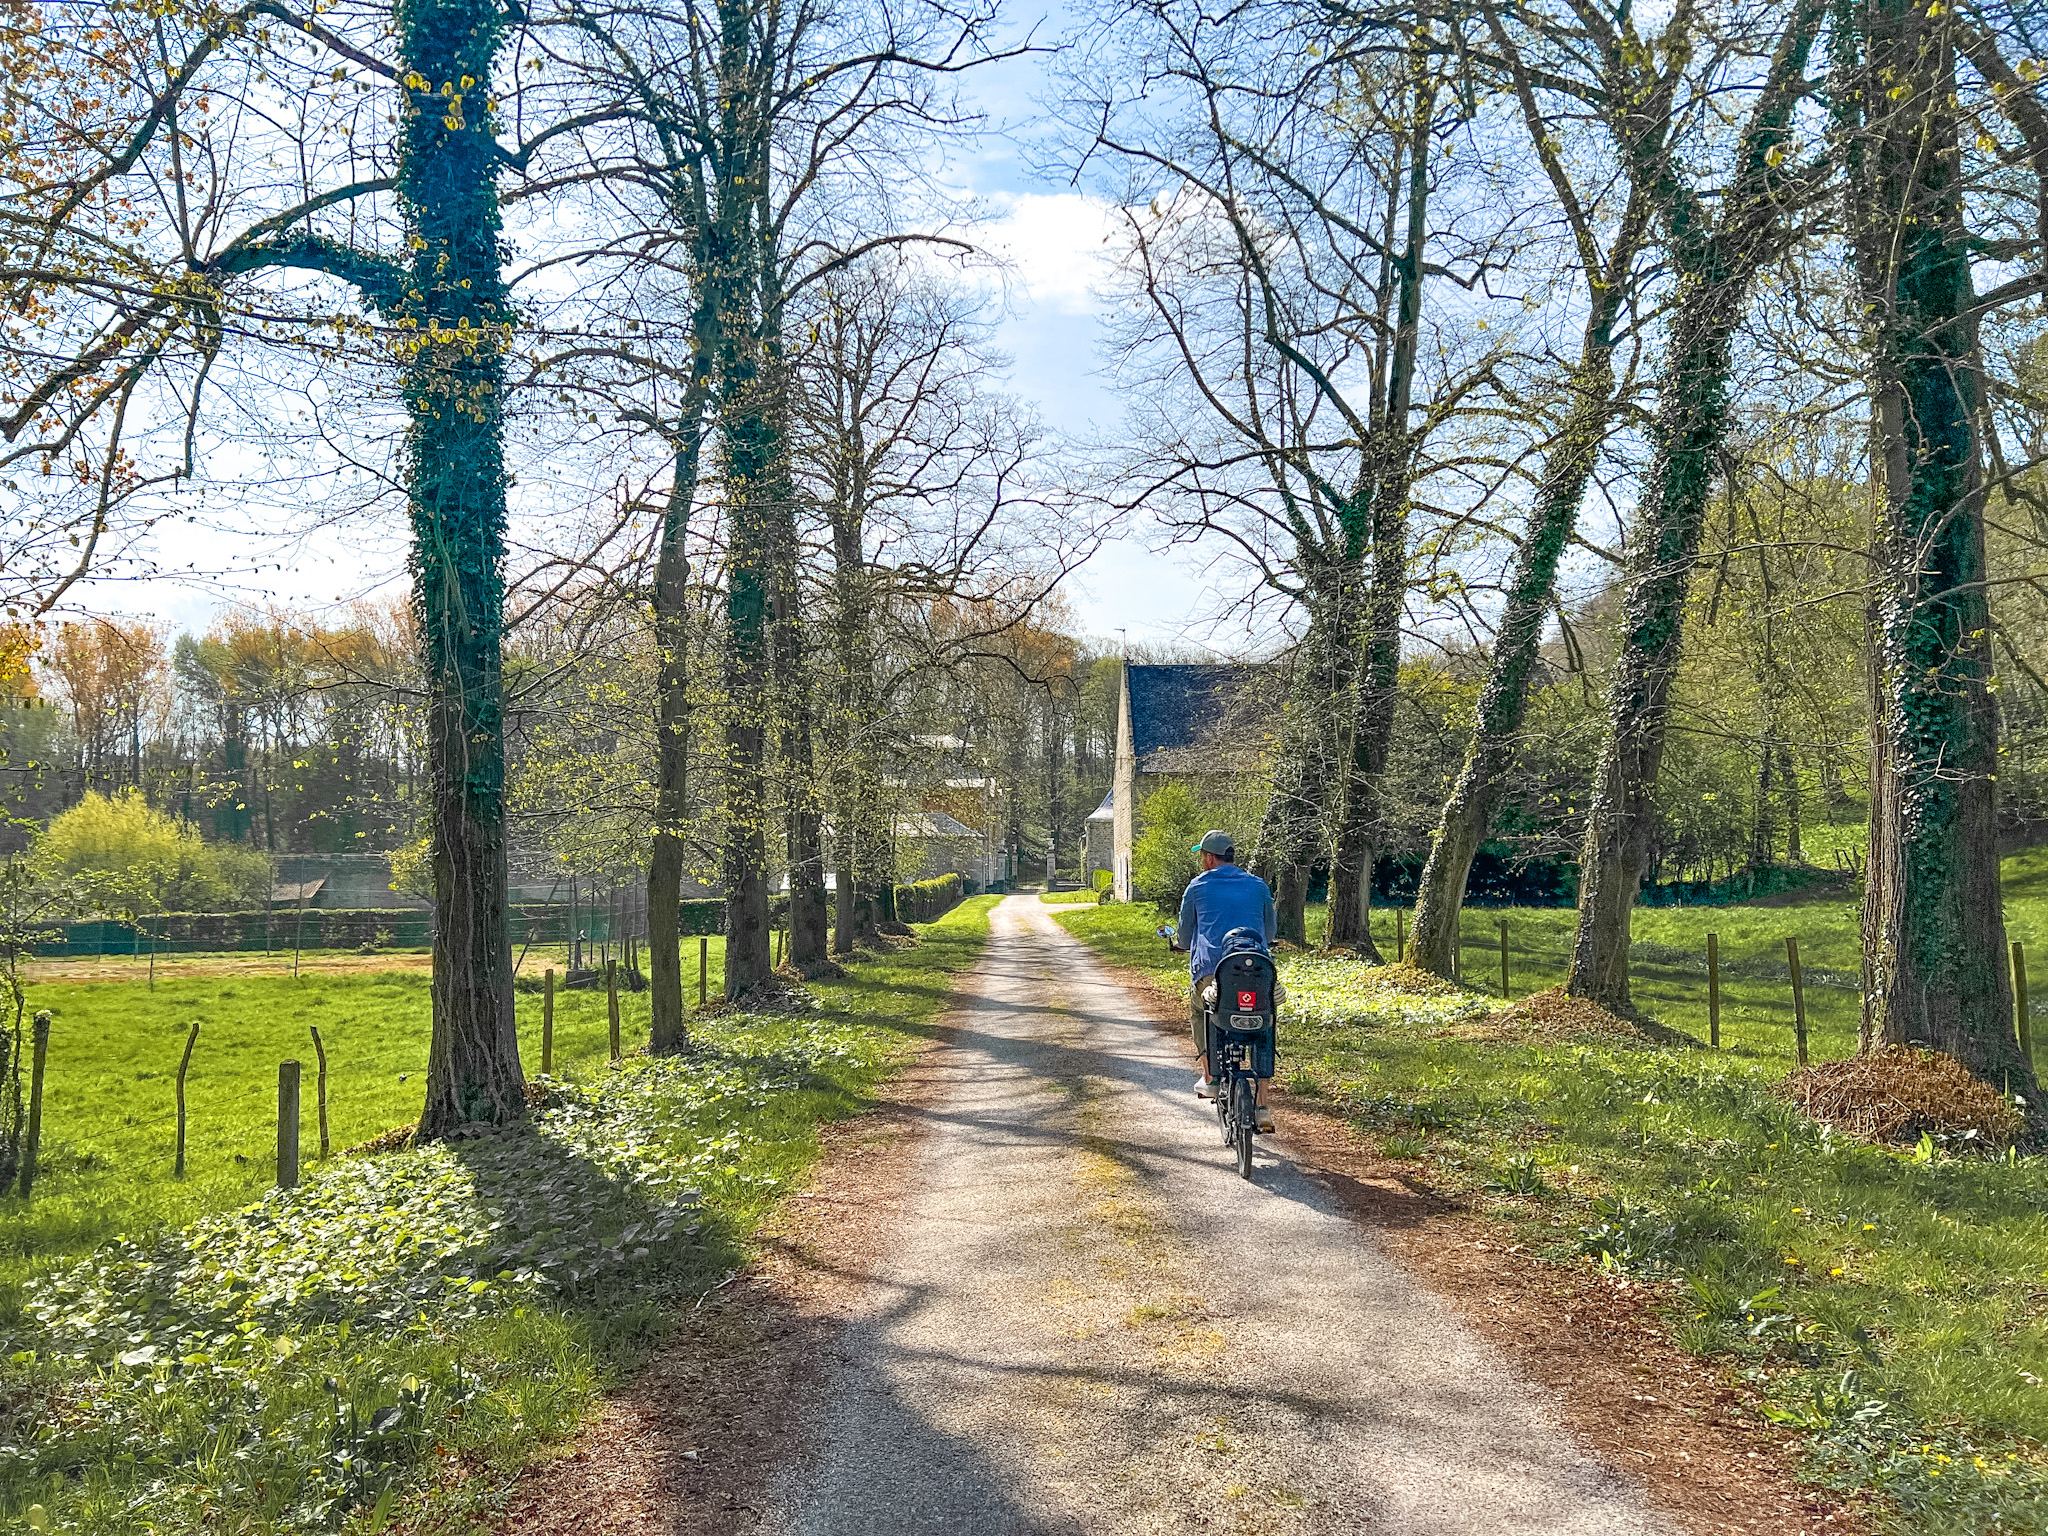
1717 256
1932 918
1691 423
1503 703
453 311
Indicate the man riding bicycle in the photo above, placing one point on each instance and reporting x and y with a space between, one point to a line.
1221 898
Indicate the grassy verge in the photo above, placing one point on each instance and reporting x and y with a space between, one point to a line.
1888 1304
400 1325
1067 898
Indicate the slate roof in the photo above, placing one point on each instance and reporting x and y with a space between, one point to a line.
1105 811
1195 718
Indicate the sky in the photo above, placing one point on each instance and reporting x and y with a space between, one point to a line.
1051 236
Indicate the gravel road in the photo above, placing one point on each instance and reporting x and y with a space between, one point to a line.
1089 1323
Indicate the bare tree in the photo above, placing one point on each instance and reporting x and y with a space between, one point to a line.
1280 243
923 478
1716 250
757 128
1609 216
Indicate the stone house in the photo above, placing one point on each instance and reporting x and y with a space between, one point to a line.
1209 723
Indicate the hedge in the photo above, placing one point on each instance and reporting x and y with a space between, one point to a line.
323 928
413 928
925 901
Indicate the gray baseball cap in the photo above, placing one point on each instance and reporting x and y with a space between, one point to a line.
1218 842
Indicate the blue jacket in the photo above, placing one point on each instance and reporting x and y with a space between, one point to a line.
1217 901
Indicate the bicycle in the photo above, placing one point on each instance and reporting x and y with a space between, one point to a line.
1241 1041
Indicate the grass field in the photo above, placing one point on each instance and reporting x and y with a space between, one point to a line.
185 1356
109 1109
1668 960
1889 1303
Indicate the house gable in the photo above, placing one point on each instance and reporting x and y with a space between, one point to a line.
1194 719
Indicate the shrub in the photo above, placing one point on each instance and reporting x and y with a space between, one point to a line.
412 868
150 861
1161 862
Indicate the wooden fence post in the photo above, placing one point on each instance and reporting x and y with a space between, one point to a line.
703 968
611 995
2024 1025
287 1124
1714 990
35 1103
320 1088
547 1024
1798 997
1503 959
185 1061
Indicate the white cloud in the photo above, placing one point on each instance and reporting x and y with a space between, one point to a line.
1058 244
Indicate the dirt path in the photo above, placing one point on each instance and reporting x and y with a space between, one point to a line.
1087 1323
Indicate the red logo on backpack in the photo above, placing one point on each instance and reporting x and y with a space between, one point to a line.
1247 1001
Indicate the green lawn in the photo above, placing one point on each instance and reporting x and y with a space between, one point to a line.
1889 1303
1668 960
110 1106
224 1361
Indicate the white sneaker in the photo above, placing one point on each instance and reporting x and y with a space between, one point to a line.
1204 1089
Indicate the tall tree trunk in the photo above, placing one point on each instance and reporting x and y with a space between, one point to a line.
852 720
1372 727
1939 958
1621 823
748 572
1055 744
795 713
669 1028
1763 839
454 391
749 444
1503 703
1291 828
808 914
1717 259
1378 649
1788 776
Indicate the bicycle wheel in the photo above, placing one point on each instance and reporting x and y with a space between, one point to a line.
1245 1113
